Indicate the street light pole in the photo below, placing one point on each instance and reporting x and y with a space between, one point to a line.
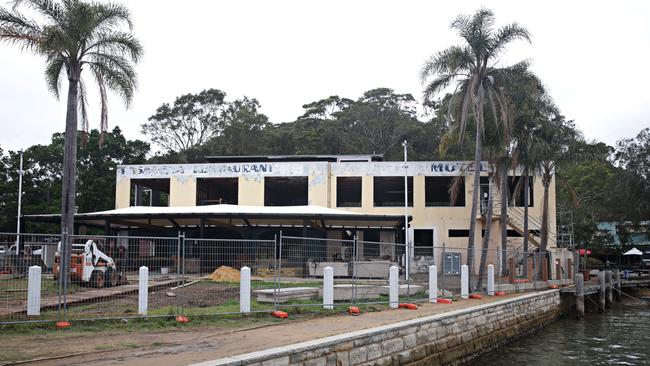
20 200
406 211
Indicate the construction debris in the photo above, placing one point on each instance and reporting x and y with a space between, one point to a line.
225 274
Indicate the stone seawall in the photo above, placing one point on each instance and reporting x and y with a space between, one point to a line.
449 338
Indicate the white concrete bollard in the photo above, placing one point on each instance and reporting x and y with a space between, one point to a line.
490 280
34 291
328 288
143 291
464 282
245 290
393 284
433 283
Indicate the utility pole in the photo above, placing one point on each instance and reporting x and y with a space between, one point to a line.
406 210
20 200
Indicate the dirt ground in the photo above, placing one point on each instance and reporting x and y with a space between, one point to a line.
190 344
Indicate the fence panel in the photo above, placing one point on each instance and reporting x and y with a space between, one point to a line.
18 252
371 268
210 273
301 266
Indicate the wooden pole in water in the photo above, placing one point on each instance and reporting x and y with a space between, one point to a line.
617 293
579 280
610 285
601 292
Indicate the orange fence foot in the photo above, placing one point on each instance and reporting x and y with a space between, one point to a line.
444 301
353 310
553 287
280 314
182 319
475 296
408 306
500 293
62 325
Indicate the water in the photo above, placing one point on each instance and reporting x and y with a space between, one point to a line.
619 337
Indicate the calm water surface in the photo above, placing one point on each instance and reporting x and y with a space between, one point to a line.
619 337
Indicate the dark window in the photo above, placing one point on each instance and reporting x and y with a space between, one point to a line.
150 192
423 242
371 243
454 233
348 191
216 191
513 184
436 192
389 191
286 191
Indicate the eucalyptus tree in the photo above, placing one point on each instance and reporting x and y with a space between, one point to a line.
74 36
471 68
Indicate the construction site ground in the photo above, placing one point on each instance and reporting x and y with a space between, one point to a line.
159 343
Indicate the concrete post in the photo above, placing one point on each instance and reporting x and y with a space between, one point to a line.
601 292
143 290
610 287
569 267
464 281
545 269
579 280
245 290
490 280
393 283
433 283
34 291
328 288
529 273
558 269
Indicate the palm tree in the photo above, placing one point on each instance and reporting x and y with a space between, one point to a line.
471 68
74 36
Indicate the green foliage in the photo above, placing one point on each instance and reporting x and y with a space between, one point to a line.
42 178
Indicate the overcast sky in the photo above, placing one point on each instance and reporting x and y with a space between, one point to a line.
593 57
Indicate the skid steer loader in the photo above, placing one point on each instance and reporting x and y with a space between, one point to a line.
90 266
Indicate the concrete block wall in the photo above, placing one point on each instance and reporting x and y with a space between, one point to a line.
448 338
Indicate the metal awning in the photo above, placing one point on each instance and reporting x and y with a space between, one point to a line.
228 216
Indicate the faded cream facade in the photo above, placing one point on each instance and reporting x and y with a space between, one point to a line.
322 191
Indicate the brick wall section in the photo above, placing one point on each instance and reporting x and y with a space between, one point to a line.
450 338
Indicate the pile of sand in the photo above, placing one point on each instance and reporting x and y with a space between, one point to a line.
225 274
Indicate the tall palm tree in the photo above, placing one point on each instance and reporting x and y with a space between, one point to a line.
471 67
74 36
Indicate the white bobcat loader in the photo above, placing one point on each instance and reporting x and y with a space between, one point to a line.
90 266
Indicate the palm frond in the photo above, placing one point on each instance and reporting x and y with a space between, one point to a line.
116 72
17 30
505 35
115 43
111 15
49 8
53 72
83 108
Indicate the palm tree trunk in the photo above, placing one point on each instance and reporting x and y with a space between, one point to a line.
475 200
503 222
526 231
486 237
69 175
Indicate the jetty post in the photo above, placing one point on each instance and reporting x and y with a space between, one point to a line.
617 276
602 291
610 286
579 280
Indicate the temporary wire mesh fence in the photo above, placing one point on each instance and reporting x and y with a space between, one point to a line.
196 277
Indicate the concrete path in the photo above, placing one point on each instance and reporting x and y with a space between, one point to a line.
198 345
